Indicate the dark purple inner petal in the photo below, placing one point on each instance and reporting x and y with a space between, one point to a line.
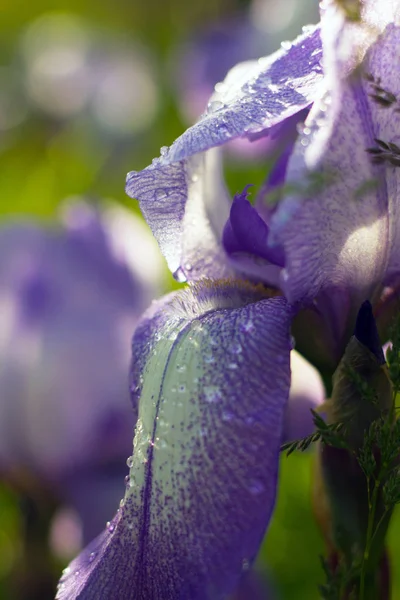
246 231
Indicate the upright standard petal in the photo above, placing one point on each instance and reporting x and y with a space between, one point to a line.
179 186
335 228
211 366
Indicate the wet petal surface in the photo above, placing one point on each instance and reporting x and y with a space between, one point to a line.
213 378
254 98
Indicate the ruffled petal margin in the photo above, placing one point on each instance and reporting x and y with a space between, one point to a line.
181 195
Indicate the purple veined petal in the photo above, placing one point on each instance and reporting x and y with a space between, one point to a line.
382 66
255 97
306 392
187 205
334 229
214 381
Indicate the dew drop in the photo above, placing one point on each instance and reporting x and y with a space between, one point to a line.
307 28
164 150
92 556
77 572
256 488
223 130
121 502
127 482
247 326
220 87
212 393
227 416
182 388
160 194
129 461
110 526
215 106
235 348
284 275
188 267
194 178
179 275
181 368
286 45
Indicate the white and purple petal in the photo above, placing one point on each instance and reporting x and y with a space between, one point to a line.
180 186
335 228
211 365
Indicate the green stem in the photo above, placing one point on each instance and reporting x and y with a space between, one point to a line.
371 518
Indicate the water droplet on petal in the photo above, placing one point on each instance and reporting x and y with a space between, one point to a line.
227 416
179 275
164 150
212 393
188 267
223 130
209 359
284 275
92 556
129 461
247 326
256 487
110 526
160 194
236 348
220 87
286 45
215 106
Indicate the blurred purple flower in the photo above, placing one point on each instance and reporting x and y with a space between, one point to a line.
70 298
210 373
70 67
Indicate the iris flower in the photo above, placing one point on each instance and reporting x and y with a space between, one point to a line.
64 353
210 372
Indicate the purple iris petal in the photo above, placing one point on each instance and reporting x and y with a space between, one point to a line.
214 381
181 195
247 232
282 84
335 228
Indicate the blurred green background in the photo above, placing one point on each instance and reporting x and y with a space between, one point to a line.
89 90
